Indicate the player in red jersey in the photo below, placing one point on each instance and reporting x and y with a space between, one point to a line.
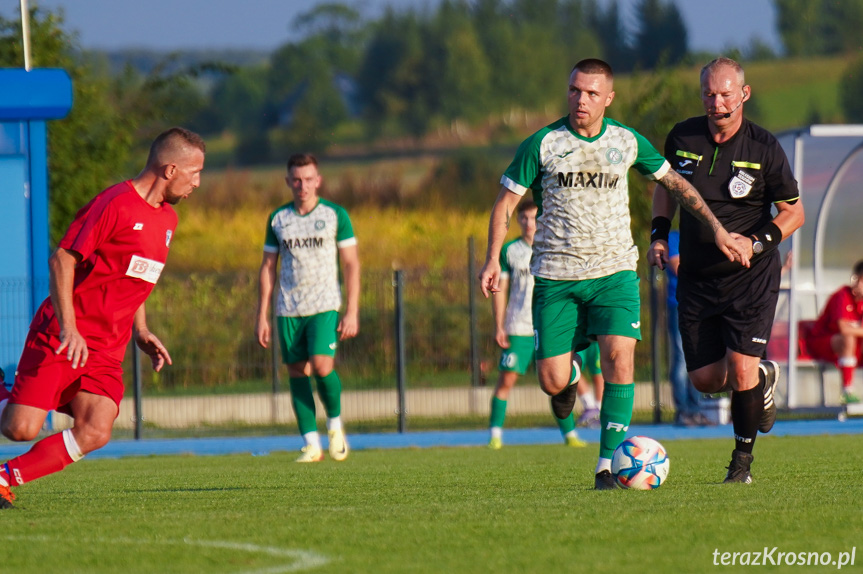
101 273
837 335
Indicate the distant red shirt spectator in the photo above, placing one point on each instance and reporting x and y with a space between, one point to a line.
837 335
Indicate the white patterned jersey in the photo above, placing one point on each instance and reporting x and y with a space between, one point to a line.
581 187
515 266
308 246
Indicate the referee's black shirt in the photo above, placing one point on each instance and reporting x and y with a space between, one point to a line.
739 179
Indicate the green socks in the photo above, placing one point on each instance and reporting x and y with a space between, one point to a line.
304 404
566 425
615 416
330 391
498 412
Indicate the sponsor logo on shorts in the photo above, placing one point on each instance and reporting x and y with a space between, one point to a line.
333 346
759 340
636 325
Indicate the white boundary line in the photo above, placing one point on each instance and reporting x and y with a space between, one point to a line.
300 559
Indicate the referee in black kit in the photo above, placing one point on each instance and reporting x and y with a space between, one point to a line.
726 310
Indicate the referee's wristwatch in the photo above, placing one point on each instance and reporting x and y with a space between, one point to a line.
757 246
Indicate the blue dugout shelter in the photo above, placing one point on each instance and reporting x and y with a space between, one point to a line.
28 98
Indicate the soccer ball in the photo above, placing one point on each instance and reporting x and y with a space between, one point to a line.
640 463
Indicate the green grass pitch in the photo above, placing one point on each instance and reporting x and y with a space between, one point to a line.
521 509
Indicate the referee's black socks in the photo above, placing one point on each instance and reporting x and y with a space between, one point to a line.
746 409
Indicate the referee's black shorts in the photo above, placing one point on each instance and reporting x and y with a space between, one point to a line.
729 312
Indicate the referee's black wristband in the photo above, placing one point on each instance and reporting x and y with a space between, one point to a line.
769 235
660 226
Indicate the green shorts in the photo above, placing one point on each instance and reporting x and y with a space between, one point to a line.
519 355
590 360
302 337
568 314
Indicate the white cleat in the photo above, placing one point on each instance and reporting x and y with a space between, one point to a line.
338 445
311 454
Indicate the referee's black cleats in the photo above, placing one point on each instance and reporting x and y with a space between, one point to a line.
604 481
738 470
563 402
768 371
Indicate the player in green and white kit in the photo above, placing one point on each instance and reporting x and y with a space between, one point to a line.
584 258
311 235
514 327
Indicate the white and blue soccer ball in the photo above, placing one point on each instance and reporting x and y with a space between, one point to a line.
640 463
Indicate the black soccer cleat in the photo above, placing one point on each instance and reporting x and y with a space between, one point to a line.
604 480
738 470
563 402
770 371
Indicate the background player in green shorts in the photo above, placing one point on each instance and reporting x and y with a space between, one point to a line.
584 258
311 235
514 326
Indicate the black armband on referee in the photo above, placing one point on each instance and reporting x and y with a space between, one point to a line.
766 239
660 226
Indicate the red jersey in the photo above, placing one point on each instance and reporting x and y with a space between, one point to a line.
840 306
123 242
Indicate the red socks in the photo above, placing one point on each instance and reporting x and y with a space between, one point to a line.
847 376
47 456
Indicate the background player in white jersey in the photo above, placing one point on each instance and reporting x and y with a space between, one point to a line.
584 258
514 327
311 235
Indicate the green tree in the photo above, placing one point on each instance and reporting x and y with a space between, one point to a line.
661 36
816 27
307 82
850 90
459 64
615 47
394 85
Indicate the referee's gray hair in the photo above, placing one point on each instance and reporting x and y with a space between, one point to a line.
723 61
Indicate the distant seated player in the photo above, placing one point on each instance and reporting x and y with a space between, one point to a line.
837 334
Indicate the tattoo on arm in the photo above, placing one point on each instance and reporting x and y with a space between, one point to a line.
508 218
689 198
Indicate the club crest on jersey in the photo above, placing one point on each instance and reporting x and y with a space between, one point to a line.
614 155
168 235
320 224
741 184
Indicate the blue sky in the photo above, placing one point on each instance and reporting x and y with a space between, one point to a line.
265 24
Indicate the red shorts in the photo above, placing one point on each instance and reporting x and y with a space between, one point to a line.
819 348
47 381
